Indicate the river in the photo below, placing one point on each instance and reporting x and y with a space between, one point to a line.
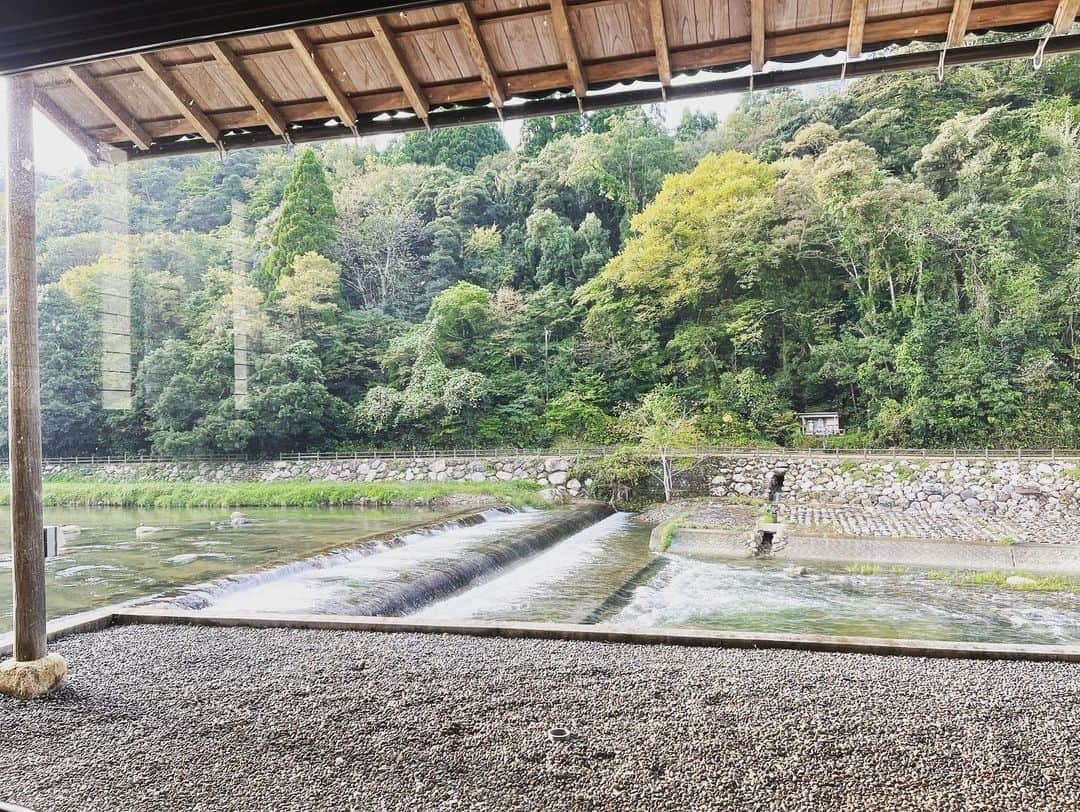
605 573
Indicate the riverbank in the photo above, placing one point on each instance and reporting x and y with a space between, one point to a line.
350 720
159 494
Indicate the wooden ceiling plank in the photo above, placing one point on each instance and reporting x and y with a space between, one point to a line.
172 88
757 35
1065 16
856 27
660 41
391 51
67 125
319 69
958 23
103 98
258 100
560 25
470 32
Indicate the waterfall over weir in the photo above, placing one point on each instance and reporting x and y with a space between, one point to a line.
459 575
391 576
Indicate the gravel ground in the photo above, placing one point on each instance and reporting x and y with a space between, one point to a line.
169 718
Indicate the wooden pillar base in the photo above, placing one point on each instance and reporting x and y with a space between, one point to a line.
29 680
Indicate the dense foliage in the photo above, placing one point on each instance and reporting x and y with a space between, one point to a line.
902 251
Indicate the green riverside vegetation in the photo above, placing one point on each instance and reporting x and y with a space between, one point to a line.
902 250
279 494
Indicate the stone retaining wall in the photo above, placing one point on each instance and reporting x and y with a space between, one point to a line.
1001 487
552 472
1049 488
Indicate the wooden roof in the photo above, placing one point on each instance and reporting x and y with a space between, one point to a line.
345 77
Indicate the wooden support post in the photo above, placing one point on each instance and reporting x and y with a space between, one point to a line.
757 35
24 400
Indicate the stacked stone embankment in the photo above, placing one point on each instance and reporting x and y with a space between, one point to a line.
1020 489
552 472
1002 487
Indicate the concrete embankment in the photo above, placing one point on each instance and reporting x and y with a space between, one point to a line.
401 599
1036 558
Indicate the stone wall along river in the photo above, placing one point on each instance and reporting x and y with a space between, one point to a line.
924 485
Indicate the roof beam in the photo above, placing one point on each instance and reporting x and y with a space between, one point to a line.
560 24
320 71
916 60
856 26
470 32
104 100
168 84
660 43
391 51
236 68
66 124
1065 16
958 23
757 35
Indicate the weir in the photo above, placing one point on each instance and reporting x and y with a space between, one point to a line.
403 598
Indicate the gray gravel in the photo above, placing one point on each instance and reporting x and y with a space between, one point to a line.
169 718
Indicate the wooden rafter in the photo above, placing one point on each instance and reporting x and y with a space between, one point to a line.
104 100
391 51
1065 16
958 23
856 27
560 25
236 68
321 72
66 124
757 35
660 42
470 32
171 87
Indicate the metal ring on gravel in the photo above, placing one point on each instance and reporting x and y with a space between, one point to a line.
559 734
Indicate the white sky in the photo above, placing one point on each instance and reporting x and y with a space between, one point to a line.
56 154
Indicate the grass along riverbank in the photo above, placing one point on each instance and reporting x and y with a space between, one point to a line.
280 494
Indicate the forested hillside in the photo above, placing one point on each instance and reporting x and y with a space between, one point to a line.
902 251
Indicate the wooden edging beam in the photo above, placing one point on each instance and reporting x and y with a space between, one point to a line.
254 94
1065 16
564 36
856 27
171 87
320 71
470 32
395 59
104 100
610 634
958 22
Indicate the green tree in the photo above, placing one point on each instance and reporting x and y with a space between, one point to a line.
662 424
305 220
460 148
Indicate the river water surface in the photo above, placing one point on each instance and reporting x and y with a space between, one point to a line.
604 573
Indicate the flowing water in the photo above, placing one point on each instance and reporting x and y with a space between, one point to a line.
702 594
322 561
108 563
